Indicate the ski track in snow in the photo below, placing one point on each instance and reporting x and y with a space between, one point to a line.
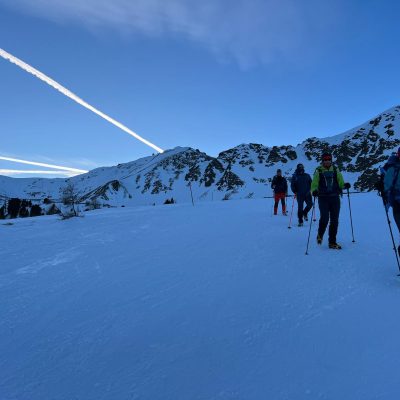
217 301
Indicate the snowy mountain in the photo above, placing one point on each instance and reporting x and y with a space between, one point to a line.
244 171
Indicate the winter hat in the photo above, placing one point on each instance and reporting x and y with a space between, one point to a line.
300 166
279 170
326 156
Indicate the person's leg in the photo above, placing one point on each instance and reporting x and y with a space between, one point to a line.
300 205
282 198
334 210
276 203
309 204
323 203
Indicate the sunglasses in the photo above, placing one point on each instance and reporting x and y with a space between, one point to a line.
327 159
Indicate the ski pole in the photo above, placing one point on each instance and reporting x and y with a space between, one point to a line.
309 232
314 217
351 217
391 233
291 213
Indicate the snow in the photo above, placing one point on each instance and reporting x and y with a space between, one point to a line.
216 301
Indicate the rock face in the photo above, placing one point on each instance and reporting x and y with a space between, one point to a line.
244 171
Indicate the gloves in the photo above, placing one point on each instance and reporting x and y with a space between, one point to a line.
347 186
315 193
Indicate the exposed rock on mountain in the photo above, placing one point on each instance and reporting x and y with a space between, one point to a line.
244 171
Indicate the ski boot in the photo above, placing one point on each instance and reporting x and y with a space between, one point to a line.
335 246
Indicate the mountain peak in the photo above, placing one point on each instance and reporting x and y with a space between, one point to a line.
243 171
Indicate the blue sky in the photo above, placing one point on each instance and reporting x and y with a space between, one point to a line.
209 75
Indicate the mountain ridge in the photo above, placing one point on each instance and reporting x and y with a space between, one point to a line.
243 171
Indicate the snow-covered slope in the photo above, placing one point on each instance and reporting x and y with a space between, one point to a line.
216 301
242 172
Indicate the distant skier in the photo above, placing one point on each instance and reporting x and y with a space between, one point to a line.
280 187
391 187
301 187
328 184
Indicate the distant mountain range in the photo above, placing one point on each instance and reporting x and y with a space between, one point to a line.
244 171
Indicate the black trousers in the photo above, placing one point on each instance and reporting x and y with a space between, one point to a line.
329 208
301 211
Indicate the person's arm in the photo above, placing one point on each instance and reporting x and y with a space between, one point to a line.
388 179
315 181
385 168
273 184
293 185
340 179
309 181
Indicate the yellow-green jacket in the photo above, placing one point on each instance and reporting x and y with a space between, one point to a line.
328 181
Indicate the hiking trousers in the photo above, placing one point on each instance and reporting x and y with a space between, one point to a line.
301 211
281 197
329 208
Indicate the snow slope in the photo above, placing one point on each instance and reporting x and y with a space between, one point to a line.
216 301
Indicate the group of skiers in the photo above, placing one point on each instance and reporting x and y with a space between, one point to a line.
327 185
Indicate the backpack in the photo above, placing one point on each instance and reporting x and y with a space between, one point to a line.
393 194
323 186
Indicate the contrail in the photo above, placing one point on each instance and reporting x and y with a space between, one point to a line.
74 97
20 171
17 160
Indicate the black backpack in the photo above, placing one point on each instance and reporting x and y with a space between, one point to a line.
323 186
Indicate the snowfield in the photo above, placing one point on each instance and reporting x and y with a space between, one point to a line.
217 301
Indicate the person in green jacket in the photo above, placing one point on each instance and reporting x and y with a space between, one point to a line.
327 185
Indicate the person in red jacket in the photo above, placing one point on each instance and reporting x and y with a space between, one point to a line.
280 187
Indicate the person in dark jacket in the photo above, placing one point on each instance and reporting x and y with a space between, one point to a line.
391 189
301 187
380 183
327 185
280 187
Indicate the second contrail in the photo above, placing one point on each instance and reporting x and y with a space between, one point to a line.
38 172
39 164
26 67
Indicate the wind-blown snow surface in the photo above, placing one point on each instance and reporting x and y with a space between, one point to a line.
216 301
